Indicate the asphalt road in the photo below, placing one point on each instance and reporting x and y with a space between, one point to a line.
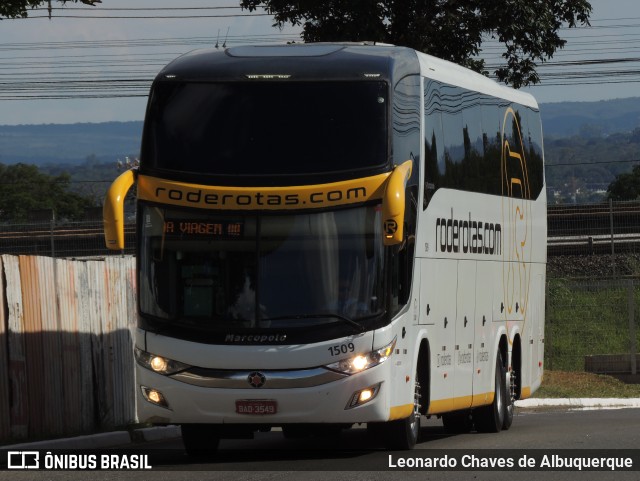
354 456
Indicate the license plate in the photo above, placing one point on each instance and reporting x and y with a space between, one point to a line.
258 407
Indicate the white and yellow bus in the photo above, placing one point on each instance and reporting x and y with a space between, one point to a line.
335 234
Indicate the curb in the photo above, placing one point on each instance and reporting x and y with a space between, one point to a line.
580 403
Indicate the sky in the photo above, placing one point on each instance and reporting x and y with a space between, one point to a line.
98 57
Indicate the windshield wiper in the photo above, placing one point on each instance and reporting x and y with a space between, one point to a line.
356 325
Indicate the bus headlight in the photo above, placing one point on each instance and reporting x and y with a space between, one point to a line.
362 362
159 364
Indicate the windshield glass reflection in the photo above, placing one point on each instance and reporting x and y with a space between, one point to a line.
269 271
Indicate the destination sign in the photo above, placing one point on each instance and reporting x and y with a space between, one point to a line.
189 228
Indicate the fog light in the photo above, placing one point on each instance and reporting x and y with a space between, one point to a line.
363 396
154 396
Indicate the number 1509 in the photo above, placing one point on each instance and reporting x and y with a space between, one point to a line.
342 349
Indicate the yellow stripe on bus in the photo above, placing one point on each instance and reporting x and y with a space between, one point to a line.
262 198
445 405
466 402
400 412
462 402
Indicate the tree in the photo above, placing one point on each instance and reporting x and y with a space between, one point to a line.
450 29
626 186
19 8
24 188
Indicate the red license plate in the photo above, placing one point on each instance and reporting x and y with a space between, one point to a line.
258 407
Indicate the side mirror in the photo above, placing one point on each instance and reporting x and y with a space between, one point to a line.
393 204
113 210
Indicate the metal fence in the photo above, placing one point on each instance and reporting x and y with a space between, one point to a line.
593 288
592 325
610 228
594 229
66 345
61 239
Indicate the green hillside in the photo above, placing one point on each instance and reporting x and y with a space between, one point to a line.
586 145
68 143
590 118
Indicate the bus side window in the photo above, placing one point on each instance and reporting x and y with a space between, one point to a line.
405 270
401 258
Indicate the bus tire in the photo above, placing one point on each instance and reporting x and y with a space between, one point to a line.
509 401
402 434
491 418
200 440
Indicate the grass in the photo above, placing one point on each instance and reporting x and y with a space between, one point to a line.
587 317
564 384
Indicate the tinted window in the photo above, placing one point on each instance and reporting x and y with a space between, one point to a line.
406 145
406 120
471 139
273 271
266 128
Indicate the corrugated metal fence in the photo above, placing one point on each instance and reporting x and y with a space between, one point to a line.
66 337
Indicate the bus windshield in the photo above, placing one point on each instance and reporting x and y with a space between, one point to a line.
263 128
261 271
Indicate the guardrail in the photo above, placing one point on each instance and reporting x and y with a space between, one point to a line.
588 229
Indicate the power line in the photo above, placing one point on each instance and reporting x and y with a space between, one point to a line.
141 17
101 69
94 9
592 163
145 42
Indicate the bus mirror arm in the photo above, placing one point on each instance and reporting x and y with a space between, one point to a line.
393 204
113 210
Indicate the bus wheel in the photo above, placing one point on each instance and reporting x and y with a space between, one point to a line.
200 439
490 419
402 434
510 398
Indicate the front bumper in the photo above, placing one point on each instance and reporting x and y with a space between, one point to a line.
325 403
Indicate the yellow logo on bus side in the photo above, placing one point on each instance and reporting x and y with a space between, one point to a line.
516 215
261 198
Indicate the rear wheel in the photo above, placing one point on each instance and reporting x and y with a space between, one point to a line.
490 419
510 399
200 439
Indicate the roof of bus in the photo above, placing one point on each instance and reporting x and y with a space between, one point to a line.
453 74
330 61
